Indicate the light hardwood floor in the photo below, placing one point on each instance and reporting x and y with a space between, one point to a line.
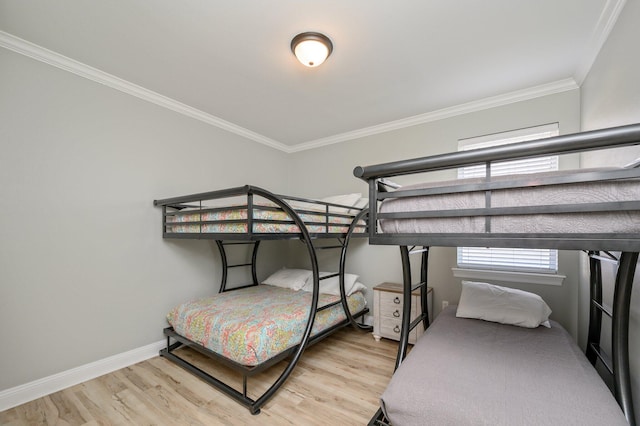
337 381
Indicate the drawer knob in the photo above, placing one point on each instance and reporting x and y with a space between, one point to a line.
396 329
396 300
396 314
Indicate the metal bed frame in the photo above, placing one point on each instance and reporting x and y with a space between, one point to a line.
597 245
173 206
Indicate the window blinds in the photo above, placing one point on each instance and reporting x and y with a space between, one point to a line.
521 260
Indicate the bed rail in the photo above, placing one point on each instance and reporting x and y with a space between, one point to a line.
565 144
241 213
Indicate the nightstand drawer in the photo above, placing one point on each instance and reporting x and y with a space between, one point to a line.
388 298
391 312
391 305
390 328
387 315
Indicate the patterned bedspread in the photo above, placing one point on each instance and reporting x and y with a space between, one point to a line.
337 224
251 325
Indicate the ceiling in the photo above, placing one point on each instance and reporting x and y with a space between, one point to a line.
394 63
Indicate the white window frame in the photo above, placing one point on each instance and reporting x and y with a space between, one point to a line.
521 265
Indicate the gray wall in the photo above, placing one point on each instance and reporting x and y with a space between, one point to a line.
84 272
334 164
611 97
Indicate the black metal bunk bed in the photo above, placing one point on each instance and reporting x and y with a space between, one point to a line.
248 215
598 243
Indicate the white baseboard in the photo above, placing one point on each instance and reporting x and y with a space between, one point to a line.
18 395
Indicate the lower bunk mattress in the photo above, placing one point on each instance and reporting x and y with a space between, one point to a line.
252 325
473 372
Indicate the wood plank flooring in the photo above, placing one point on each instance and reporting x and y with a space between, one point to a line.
337 381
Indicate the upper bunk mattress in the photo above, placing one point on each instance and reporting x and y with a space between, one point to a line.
234 220
254 324
585 221
473 372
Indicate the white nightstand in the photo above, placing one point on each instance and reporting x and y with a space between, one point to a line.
387 311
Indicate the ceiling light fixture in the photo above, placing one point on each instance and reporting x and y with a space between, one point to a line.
311 49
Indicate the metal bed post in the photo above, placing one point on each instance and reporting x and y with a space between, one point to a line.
595 307
424 289
223 258
226 266
254 262
406 308
408 288
255 407
620 333
618 364
343 260
373 208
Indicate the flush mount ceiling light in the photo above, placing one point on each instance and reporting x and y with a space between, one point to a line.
311 49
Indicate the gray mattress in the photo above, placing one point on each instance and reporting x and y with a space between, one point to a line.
613 221
473 372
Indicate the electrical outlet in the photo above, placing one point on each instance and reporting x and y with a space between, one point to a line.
445 303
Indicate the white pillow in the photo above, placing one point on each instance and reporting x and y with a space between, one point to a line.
357 287
632 165
361 203
345 200
502 304
294 279
332 285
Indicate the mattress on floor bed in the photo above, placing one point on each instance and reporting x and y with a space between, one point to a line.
614 221
473 372
252 325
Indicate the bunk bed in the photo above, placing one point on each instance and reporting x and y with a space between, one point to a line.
469 371
252 327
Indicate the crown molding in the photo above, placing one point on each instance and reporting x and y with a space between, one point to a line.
483 104
39 53
606 22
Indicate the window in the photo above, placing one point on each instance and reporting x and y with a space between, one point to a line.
508 259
